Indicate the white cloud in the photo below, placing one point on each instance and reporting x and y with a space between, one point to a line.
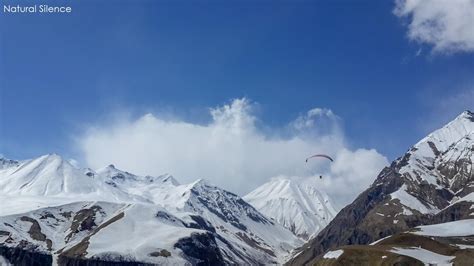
232 152
447 25
325 118
353 169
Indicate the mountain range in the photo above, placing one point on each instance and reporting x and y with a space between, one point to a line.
419 210
55 213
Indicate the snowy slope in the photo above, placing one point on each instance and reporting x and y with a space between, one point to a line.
425 256
425 249
98 230
46 175
250 236
239 222
456 228
295 203
453 132
156 213
52 176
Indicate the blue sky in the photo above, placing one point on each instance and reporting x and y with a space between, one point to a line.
60 73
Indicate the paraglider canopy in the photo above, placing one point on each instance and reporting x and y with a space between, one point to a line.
324 156
320 156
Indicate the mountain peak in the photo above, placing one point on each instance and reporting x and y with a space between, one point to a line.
54 160
167 178
111 169
51 156
199 183
465 117
46 175
467 114
113 174
295 203
441 148
452 133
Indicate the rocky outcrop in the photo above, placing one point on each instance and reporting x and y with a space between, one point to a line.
22 257
201 249
386 252
67 261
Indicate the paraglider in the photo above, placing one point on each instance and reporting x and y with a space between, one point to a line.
320 156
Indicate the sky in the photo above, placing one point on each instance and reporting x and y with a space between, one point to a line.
188 87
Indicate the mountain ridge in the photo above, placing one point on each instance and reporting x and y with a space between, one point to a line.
49 192
431 183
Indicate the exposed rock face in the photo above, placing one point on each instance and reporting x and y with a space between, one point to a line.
7 163
22 257
433 182
225 205
201 249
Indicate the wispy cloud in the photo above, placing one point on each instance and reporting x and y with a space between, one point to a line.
446 25
231 151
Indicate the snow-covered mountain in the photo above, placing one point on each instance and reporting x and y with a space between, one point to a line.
52 210
433 182
55 213
442 162
295 203
52 176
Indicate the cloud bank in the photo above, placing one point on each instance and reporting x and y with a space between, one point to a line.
447 25
232 151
